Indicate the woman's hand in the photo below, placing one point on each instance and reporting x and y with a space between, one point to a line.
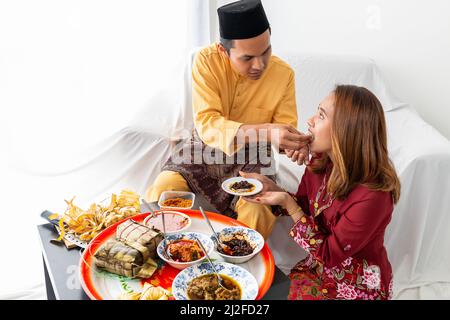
277 198
300 156
271 198
268 184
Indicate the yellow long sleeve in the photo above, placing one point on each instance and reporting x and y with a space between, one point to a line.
223 99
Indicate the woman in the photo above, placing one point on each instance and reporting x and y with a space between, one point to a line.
344 202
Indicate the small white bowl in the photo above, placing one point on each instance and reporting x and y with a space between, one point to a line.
255 239
176 194
206 241
168 215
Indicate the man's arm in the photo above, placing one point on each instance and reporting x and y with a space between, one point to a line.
287 113
283 136
213 128
281 132
229 136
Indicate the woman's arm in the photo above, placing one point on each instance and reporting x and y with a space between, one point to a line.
282 200
297 201
293 209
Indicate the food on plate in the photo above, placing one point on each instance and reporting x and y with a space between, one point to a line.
206 287
130 253
236 244
149 292
239 186
86 224
242 186
118 258
184 250
174 221
177 202
129 296
154 293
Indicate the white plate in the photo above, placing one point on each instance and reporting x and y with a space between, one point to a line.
100 284
227 183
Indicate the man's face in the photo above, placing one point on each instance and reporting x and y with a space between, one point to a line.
250 57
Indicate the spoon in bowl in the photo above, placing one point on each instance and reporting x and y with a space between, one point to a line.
166 247
219 278
152 213
223 245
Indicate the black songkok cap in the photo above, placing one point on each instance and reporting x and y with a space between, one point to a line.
242 20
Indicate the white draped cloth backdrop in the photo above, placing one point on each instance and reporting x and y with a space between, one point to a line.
85 109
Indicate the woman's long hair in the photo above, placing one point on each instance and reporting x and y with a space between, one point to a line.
359 145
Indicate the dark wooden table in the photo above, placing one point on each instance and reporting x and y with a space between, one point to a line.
62 266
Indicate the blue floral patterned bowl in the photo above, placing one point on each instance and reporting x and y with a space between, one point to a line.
247 282
255 239
206 241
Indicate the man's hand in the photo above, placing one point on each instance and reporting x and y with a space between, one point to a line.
289 138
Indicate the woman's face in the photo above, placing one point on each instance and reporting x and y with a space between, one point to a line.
320 126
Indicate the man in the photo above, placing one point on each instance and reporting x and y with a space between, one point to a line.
242 95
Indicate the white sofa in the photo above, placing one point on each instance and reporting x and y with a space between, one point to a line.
417 239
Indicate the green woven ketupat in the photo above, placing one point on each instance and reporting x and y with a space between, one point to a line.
131 253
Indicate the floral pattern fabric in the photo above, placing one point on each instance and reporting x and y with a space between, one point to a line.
352 279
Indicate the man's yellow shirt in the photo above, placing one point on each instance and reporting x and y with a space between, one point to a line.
223 99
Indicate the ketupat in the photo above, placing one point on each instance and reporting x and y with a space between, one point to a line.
131 253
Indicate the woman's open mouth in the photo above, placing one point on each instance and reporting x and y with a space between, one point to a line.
312 136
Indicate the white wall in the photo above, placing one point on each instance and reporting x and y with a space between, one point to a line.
71 74
408 39
82 69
